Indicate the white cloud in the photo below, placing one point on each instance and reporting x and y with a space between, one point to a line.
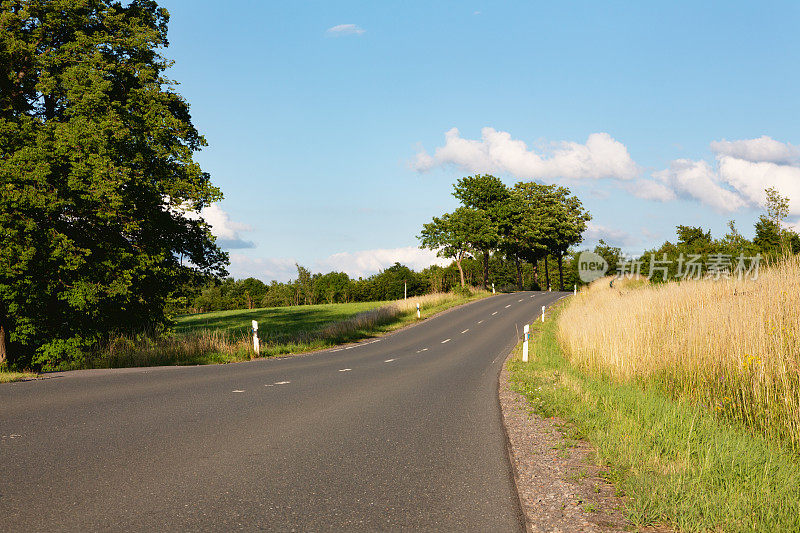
600 157
698 180
594 232
344 29
763 149
367 262
224 229
750 179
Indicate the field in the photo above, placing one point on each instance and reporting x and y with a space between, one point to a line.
225 337
689 392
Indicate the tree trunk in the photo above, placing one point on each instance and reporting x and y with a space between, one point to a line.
519 272
546 275
560 272
3 343
486 270
460 270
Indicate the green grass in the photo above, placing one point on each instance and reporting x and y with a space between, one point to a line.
224 337
275 324
8 376
676 462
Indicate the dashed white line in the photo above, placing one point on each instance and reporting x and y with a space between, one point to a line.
519 300
237 390
533 295
422 350
337 350
388 360
345 369
494 313
480 321
282 382
509 305
466 330
446 340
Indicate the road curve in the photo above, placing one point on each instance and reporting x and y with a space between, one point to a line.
401 432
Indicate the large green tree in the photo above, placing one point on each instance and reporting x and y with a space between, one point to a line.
97 176
488 195
456 234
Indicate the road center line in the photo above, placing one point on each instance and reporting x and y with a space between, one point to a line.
422 350
345 369
446 340
388 360
237 390
282 382
494 313
480 321
519 300
466 330
509 305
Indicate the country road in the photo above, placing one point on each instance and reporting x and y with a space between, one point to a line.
399 432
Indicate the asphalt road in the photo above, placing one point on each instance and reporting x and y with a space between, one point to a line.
402 432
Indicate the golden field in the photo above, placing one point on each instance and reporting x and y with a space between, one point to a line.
730 344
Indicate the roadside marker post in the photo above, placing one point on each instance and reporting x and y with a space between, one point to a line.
255 337
418 314
575 289
405 290
527 334
492 287
542 313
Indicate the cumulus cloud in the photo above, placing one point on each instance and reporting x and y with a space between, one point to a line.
751 178
763 149
224 229
345 29
650 190
497 152
594 232
367 262
698 180
263 268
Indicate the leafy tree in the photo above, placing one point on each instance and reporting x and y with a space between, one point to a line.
487 194
97 175
455 234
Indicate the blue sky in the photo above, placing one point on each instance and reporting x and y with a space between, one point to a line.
327 121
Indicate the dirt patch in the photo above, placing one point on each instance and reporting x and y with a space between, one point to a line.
560 487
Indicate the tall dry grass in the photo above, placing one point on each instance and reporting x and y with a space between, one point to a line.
733 344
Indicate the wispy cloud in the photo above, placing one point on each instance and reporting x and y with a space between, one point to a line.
226 230
344 29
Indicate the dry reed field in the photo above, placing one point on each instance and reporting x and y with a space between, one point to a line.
731 344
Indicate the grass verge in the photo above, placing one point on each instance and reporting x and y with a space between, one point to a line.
676 462
225 337
7 376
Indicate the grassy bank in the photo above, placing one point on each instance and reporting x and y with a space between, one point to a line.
732 345
224 337
8 376
677 461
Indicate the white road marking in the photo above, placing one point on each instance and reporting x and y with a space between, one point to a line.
349 347
422 350
519 300
533 295
337 350
509 305
237 390
282 382
388 360
446 340
345 369
494 313
466 330
270 385
480 321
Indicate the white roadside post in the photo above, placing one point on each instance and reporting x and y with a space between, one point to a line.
418 314
542 313
405 290
526 330
255 337
492 287
575 289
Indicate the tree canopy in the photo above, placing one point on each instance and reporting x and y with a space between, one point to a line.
99 185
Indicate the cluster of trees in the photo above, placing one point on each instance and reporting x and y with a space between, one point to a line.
96 172
526 224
